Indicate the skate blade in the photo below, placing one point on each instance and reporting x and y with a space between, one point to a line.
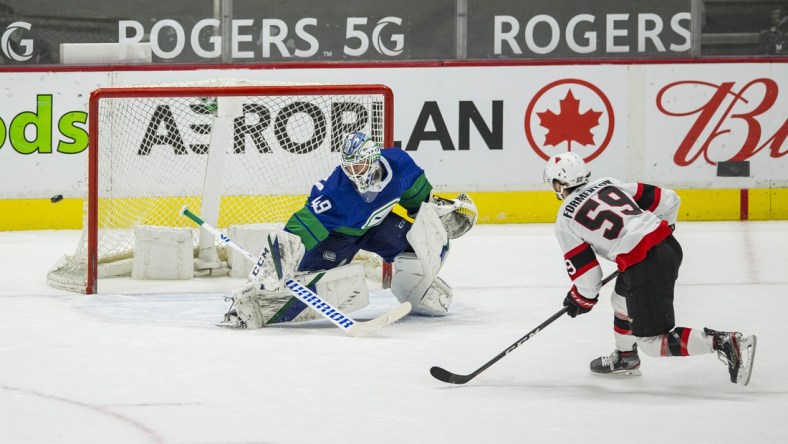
620 373
748 344
234 324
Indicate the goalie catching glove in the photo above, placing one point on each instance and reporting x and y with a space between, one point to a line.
457 215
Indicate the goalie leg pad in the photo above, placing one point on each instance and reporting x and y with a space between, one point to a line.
430 244
255 306
432 299
415 273
344 287
437 300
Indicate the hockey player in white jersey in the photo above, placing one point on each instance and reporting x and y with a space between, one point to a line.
632 225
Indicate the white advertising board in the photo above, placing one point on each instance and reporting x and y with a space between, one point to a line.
473 128
699 115
41 113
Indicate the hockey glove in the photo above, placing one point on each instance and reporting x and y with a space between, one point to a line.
278 261
457 215
577 304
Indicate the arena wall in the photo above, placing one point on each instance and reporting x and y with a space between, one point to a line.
714 130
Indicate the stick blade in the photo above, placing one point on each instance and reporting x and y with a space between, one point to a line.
368 327
449 377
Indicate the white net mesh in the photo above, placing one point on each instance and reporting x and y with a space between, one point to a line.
249 152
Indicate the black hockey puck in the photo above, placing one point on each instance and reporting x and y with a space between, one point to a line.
56 198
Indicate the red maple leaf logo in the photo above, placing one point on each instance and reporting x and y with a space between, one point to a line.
569 125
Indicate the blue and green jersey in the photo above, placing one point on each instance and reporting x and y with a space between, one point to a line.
334 205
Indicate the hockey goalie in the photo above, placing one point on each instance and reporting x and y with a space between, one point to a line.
350 211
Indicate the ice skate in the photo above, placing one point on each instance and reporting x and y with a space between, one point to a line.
735 351
231 320
624 363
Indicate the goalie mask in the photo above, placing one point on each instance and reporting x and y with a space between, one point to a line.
360 161
566 170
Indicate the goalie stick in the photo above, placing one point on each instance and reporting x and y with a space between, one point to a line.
309 297
454 378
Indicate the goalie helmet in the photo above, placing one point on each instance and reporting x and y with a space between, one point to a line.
568 170
360 161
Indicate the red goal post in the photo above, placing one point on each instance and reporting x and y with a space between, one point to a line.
240 153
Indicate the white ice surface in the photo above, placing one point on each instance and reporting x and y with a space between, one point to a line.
131 368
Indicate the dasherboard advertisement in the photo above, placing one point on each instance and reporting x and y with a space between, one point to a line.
472 128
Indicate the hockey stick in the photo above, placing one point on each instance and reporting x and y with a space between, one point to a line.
454 378
310 298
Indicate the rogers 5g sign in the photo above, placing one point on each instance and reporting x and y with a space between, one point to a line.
601 28
10 36
266 38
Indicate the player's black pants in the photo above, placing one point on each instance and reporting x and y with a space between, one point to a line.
386 239
648 288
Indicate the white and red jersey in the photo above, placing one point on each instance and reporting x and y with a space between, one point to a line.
617 221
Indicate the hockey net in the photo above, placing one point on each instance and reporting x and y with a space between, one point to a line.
239 153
